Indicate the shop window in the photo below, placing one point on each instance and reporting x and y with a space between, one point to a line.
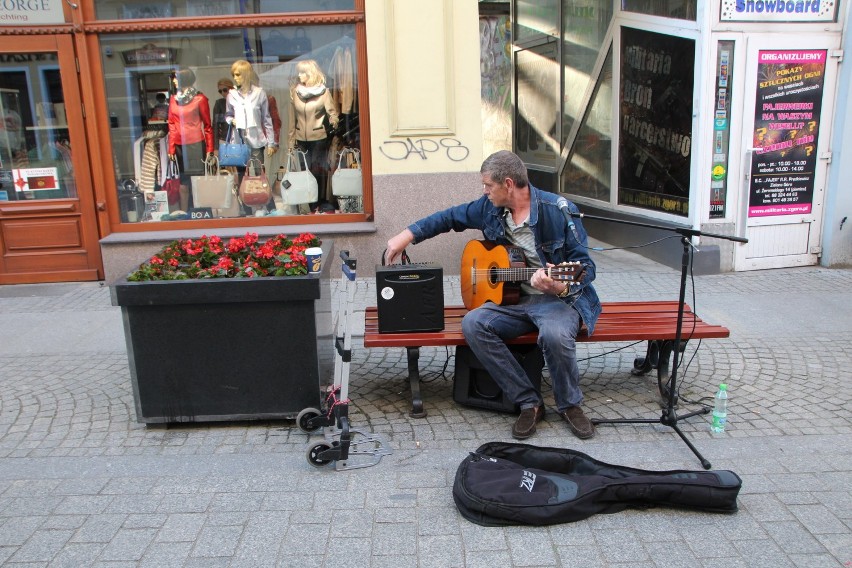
535 18
35 148
537 106
144 9
655 132
679 9
166 90
584 23
587 172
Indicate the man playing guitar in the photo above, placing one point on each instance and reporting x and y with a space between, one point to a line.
513 212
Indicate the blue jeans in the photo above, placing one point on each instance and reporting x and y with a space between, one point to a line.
488 327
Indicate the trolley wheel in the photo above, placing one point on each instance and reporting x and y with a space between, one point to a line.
304 416
314 452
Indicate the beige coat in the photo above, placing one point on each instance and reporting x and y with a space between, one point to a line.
306 117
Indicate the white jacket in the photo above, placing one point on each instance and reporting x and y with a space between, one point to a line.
250 113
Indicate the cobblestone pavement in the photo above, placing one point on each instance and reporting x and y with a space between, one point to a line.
83 484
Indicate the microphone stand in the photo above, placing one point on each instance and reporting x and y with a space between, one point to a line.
669 416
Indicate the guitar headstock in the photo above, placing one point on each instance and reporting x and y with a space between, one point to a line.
571 272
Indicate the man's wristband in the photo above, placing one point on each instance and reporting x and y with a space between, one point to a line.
566 291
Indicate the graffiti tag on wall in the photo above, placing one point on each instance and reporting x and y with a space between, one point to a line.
403 149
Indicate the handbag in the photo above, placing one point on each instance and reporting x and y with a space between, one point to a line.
275 44
232 207
172 184
255 190
299 187
214 188
300 43
346 181
234 151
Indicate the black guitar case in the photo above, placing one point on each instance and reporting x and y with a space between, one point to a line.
505 483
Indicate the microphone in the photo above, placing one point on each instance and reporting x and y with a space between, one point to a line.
563 205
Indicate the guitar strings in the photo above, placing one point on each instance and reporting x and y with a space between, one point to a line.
555 272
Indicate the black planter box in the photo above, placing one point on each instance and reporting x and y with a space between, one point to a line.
228 349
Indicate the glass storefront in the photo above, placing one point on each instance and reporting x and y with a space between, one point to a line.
678 9
35 148
537 100
289 93
139 9
587 170
655 131
628 147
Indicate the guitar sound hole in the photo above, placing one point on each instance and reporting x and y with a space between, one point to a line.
492 275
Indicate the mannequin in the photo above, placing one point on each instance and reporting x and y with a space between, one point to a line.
272 159
310 104
247 108
190 131
220 127
248 111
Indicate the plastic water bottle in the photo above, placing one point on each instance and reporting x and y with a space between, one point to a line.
720 410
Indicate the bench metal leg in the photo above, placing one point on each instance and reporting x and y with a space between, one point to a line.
658 356
414 380
643 365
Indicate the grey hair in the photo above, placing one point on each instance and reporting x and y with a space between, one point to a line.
504 164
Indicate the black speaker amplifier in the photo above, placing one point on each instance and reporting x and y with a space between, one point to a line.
410 297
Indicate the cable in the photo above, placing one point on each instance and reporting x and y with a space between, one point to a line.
442 374
604 354
610 352
605 249
680 362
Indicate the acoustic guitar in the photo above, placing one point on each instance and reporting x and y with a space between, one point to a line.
491 272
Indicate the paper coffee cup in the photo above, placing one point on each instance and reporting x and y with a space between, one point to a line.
314 256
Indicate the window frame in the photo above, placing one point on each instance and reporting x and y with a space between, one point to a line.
100 141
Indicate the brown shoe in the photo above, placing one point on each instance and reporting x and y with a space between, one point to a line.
580 425
525 424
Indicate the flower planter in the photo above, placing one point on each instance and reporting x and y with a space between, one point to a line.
228 349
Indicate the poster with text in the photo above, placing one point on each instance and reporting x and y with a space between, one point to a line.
786 131
655 142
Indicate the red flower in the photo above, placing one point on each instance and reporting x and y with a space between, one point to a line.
240 257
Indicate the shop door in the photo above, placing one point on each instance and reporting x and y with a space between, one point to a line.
48 228
787 117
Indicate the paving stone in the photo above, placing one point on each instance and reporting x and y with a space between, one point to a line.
217 541
181 527
530 547
41 546
128 545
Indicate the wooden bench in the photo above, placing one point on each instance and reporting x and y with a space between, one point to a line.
654 322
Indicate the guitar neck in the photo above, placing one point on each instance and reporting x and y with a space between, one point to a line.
519 274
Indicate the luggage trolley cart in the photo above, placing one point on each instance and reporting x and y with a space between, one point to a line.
342 442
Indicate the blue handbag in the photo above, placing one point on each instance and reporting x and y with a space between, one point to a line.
234 151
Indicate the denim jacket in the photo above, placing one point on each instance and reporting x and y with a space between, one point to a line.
555 240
